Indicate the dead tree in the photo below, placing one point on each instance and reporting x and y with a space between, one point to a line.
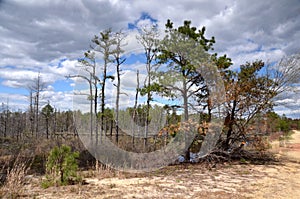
117 53
148 38
36 88
89 68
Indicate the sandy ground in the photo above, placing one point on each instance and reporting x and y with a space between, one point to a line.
282 181
276 180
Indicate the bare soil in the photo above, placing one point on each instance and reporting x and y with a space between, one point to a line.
231 180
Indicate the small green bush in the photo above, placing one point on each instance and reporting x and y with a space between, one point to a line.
61 167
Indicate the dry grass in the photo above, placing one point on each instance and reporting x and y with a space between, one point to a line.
236 179
101 171
15 178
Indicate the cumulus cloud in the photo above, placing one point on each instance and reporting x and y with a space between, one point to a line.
14 101
48 37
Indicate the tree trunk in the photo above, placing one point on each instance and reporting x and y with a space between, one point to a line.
47 128
186 117
91 106
148 96
103 95
135 104
31 116
95 108
37 114
117 101
229 124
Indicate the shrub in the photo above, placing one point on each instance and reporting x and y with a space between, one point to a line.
61 167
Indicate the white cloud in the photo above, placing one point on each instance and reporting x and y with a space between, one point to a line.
267 55
49 36
12 83
131 44
129 79
60 100
14 101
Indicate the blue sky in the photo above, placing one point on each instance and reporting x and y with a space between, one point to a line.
48 37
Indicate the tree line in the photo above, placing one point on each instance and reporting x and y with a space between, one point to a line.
173 64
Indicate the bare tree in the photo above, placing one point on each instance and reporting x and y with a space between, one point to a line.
31 112
5 115
148 38
285 74
117 53
134 113
88 66
36 88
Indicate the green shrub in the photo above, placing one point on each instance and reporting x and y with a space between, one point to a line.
61 167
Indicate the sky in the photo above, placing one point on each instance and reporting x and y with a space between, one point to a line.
48 37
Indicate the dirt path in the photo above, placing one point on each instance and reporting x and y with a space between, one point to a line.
280 180
291 147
